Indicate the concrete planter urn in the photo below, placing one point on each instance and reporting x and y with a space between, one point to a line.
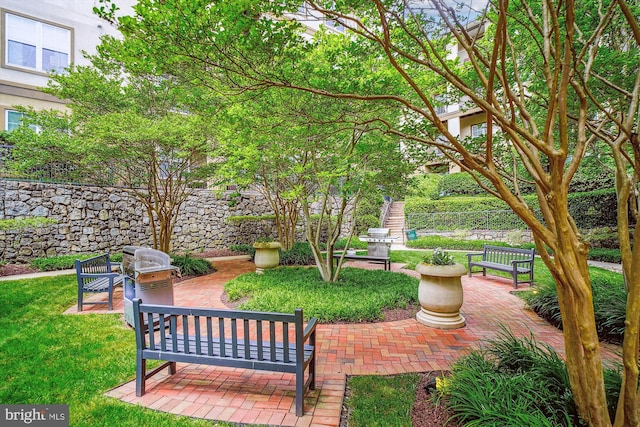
440 295
267 255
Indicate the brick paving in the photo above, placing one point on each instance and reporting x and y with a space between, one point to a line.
258 397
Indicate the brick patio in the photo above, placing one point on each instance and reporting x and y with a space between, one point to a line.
258 397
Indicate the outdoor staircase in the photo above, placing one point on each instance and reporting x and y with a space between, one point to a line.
395 221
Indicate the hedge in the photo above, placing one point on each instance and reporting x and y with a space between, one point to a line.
590 209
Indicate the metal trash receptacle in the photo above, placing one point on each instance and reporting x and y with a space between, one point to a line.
148 276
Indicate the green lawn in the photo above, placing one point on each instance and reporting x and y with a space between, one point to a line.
47 357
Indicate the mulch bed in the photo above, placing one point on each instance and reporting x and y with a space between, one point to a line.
14 269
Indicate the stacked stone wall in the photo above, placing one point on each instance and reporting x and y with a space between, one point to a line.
97 219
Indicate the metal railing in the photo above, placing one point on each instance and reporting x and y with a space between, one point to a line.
479 220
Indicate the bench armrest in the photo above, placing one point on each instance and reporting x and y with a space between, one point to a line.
310 329
472 254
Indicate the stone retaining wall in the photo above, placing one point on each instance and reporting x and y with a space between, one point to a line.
97 219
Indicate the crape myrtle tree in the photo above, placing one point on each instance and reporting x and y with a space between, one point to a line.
311 156
125 132
552 77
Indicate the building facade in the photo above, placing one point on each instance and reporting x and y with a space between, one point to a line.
40 37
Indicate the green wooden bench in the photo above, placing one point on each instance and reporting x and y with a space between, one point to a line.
276 342
514 261
96 275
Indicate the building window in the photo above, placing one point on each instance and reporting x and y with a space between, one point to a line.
479 130
13 120
35 45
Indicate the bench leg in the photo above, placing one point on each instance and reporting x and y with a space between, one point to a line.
141 373
300 390
110 297
515 277
80 295
484 272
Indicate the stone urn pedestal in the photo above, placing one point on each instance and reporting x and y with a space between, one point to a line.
440 295
267 255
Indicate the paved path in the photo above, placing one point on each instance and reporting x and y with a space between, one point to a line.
258 397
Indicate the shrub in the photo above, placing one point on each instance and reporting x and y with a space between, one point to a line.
20 223
355 243
529 385
605 255
243 249
425 186
459 184
66 262
435 241
609 303
299 254
590 210
190 265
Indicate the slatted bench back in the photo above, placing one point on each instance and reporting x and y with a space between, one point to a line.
95 265
220 336
504 255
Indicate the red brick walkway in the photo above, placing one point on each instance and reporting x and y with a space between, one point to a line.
257 397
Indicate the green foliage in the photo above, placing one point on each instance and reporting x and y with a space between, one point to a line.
609 301
243 249
594 209
439 257
605 238
453 204
66 262
459 184
368 212
299 254
190 265
20 223
358 295
355 243
424 186
529 385
435 241
591 210
605 255
250 218
381 400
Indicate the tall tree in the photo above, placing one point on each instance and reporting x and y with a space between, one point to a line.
553 76
313 157
126 132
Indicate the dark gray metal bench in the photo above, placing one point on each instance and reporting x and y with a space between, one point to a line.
378 259
96 275
276 342
511 260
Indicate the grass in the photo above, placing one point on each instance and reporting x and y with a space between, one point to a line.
381 401
358 295
47 357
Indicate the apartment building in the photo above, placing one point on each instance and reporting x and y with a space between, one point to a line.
461 120
39 37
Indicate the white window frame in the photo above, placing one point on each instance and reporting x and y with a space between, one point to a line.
7 112
478 130
39 40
